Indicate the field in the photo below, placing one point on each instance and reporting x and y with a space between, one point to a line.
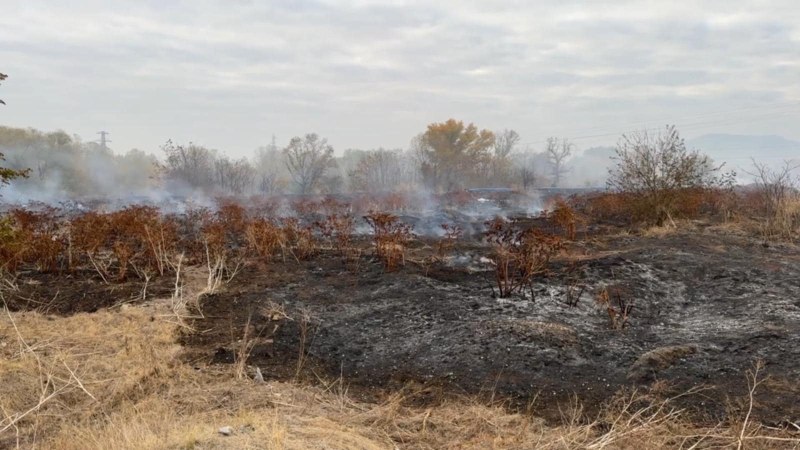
389 322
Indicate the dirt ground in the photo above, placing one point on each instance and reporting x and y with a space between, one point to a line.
706 306
78 291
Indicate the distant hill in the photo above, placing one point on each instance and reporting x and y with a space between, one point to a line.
590 167
737 150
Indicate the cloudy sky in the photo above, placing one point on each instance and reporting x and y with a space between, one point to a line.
230 74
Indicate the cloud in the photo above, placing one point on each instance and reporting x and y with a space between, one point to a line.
365 74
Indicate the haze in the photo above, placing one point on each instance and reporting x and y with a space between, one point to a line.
230 74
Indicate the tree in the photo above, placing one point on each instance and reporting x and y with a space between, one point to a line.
8 174
191 164
378 170
657 167
267 165
504 144
234 177
451 154
307 159
558 151
3 77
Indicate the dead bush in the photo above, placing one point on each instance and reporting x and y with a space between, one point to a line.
140 239
777 200
565 217
337 230
264 238
300 239
390 236
519 255
452 233
658 172
36 238
618 303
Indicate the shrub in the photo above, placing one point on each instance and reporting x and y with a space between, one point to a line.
451 234
519 255
300 240
38 233
658 171
390 236
264 238
565 217
777 199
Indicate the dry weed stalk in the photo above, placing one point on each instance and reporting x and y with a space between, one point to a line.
618 306
452 233
302 355
51 384
243 351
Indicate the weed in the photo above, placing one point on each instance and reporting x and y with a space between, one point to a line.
446 244
618 304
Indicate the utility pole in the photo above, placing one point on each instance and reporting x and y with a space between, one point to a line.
103 139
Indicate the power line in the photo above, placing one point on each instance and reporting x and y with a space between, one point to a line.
103 139
783 109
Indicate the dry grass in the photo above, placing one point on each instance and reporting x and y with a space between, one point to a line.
113 379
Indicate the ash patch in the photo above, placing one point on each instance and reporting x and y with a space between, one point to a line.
705 308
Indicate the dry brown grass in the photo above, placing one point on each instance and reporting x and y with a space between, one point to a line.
118 383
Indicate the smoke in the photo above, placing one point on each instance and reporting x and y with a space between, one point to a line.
65 171
589 169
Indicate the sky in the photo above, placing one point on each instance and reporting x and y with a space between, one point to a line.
231 74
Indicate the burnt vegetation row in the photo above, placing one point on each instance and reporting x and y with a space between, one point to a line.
143 243
655 181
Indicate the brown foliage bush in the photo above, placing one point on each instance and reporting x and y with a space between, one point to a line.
300 240
35 237
390 236
264 238
519 255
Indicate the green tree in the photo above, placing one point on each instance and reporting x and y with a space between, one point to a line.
8 174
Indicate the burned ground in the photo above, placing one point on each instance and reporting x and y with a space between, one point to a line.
706 306
78 291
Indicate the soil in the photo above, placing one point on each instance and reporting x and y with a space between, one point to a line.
705 307
78 291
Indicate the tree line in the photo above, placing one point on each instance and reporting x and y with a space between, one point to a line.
447 156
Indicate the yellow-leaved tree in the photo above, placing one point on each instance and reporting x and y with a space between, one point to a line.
452 155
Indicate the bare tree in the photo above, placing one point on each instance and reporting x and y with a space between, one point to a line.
558 151
191 164
307 159
267 165
505 142
233 176
379 170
